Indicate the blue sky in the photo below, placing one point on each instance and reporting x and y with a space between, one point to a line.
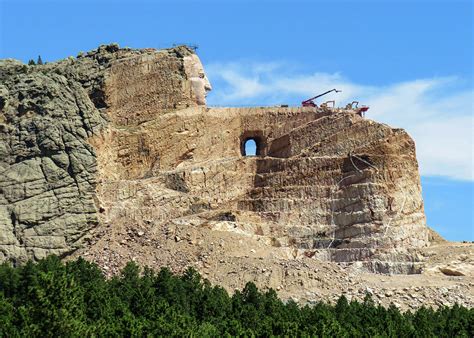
411 61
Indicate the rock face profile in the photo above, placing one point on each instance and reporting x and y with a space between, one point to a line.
114 155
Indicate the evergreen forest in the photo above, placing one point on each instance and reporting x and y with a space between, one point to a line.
52 298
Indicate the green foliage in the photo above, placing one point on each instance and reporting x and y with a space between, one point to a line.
50 298
39 61
31 62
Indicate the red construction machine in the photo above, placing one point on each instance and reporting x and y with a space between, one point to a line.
359 110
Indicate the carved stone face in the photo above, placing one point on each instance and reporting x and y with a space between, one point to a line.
200 84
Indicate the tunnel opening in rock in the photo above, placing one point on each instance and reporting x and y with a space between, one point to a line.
252 143
250 147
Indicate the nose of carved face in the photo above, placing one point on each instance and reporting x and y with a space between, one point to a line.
207 85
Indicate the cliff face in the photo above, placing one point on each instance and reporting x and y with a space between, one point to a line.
48 113
48 169
118 144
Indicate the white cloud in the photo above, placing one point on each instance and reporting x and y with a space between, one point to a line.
434 111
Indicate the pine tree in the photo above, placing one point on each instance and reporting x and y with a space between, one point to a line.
31 62
40 61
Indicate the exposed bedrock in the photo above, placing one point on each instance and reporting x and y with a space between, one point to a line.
121 136
48 168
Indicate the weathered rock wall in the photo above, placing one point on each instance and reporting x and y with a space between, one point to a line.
121 136
140 87
359 194
48 168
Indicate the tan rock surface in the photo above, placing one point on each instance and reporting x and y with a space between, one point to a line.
119 159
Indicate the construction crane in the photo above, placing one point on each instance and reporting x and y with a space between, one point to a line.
310 102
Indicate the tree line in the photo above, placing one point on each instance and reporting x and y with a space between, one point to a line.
51 298
32 62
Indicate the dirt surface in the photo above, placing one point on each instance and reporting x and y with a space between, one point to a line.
291 272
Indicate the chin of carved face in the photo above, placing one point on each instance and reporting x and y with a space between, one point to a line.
200 84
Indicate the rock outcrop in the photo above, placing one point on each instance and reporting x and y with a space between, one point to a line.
48 113
114 156
121 137
125 133
48 169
